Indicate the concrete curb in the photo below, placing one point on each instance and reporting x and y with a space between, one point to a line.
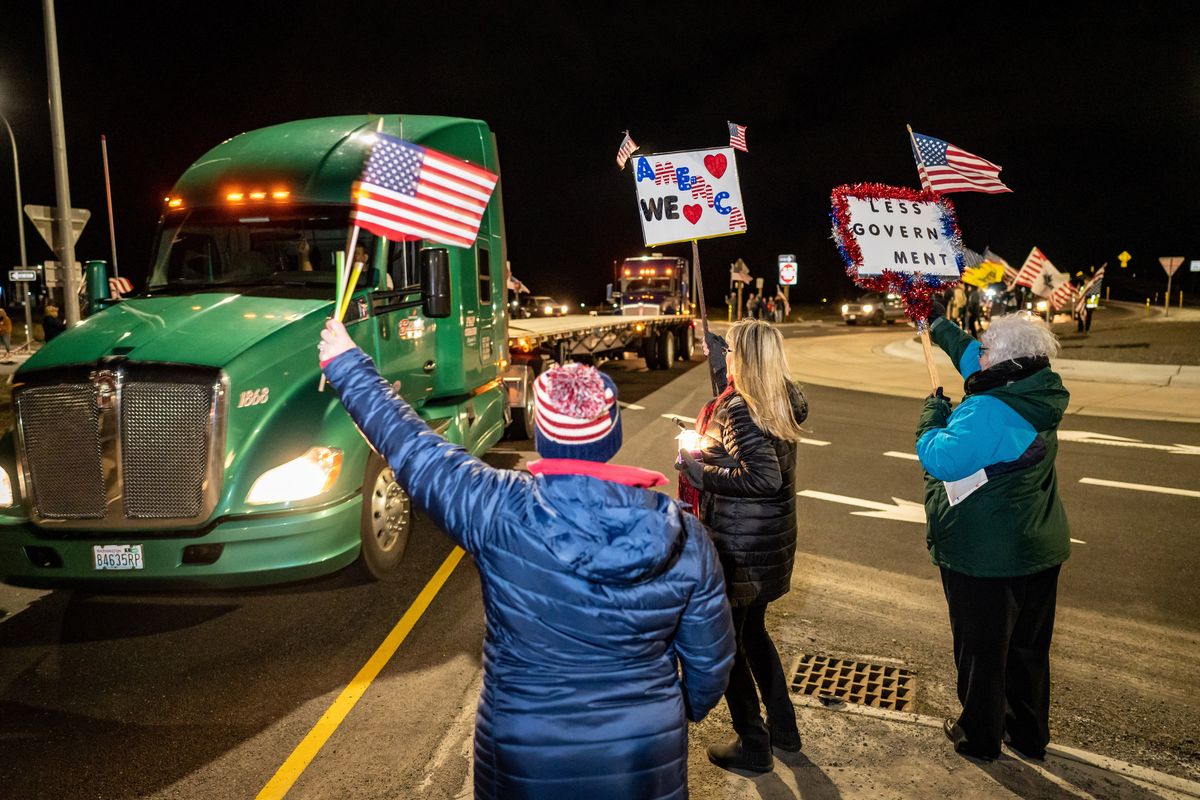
1095 760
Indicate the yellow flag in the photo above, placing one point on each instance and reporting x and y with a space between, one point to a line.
988 272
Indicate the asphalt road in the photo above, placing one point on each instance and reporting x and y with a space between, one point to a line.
198 696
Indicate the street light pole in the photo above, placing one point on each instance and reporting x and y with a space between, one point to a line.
62 186
20 225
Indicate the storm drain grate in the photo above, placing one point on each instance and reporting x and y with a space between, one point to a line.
863 684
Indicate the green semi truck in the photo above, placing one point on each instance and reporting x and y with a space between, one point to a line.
181 436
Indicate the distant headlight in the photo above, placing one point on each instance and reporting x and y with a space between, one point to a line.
6 495
845 309
299 479
564 309
868 308
1042 305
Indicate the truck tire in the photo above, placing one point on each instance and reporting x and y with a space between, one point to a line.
687 344
521 426
650 350
666 349
386 521
877 319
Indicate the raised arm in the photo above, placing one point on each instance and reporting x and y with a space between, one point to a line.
460 493
958 344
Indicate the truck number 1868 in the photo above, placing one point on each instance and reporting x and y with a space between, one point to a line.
253 397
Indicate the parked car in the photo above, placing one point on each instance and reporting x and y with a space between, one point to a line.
542 306
874 309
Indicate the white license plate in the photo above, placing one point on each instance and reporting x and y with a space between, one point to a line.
118 556
851 316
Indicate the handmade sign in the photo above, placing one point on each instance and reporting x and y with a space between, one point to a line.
895 239
688 195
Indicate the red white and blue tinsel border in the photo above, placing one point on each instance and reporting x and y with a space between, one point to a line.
916 288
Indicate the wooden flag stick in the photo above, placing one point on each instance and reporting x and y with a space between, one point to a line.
934 379
699 279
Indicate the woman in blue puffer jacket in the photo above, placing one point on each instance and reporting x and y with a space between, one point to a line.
607 624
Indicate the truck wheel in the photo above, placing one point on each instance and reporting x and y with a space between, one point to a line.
687 344
386 521
650 350
521 426
666 349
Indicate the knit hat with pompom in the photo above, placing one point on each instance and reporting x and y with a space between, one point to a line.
575 413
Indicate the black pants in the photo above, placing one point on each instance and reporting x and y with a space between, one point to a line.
757 661
1002 629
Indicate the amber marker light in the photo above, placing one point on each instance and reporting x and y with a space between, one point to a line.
280 194
258 195
235 197
175 202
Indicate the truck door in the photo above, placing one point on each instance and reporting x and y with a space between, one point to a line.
404 344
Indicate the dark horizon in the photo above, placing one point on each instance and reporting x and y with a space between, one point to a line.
1094 117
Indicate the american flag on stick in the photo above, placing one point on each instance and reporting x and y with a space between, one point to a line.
1010 273
1090 288
737 136
1063 294
411 192
945 168
625 150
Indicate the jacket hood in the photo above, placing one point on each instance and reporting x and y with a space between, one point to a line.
1040 399
606 532
205 329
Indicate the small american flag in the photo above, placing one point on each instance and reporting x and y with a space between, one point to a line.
625 150
1031 270
946 168
411 192
1090 288
737 220
737 136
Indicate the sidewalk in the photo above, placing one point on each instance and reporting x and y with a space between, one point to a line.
858 752
895 365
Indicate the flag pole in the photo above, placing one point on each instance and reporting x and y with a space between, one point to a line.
935 380
699 281
112 231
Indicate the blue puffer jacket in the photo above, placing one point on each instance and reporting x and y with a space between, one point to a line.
607 624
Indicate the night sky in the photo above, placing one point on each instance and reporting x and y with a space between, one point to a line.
1094 115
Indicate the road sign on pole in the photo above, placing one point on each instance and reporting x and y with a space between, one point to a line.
1124 257
45 219
1170 264
22 275
787 270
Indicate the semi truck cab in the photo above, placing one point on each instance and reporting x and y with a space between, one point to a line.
180 435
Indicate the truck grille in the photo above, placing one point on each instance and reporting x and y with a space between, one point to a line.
164 448
63 425
132 446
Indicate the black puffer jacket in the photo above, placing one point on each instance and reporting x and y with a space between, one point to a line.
749 501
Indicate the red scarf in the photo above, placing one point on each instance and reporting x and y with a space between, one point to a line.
689 494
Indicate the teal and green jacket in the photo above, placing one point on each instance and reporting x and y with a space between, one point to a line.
1006 426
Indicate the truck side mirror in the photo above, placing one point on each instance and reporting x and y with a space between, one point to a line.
435 283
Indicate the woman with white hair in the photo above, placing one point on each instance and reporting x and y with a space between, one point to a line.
996 527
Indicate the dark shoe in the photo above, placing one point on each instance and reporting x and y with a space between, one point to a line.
786 740
1034 753
959 737
733 756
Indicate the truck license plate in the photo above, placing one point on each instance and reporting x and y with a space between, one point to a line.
118 556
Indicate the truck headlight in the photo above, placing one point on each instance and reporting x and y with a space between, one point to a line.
299 479
6 494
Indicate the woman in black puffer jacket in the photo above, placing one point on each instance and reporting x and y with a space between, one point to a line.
746 477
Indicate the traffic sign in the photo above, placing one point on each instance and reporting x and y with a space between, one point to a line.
22 274
1195 266
787 270
54 277
1124 258
1170 263
738 271
45 219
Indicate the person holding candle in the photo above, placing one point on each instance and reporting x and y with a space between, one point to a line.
743 477
607 623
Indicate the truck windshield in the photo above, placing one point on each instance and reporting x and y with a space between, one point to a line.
656 285
217 247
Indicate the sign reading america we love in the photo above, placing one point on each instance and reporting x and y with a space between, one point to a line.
690 194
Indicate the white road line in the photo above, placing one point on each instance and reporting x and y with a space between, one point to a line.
1090 437
899 510
898 454
631 406
1141 487
1078 541
814 442
679 417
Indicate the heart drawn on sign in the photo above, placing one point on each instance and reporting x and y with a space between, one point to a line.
692 213
716 164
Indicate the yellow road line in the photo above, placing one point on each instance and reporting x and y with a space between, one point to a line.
307 750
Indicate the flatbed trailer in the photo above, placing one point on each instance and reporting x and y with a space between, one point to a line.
533 343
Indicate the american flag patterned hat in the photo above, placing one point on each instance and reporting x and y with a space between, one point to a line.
575 413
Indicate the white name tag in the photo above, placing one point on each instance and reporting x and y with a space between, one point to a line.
957 491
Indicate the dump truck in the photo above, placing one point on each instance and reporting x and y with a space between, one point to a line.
180 436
